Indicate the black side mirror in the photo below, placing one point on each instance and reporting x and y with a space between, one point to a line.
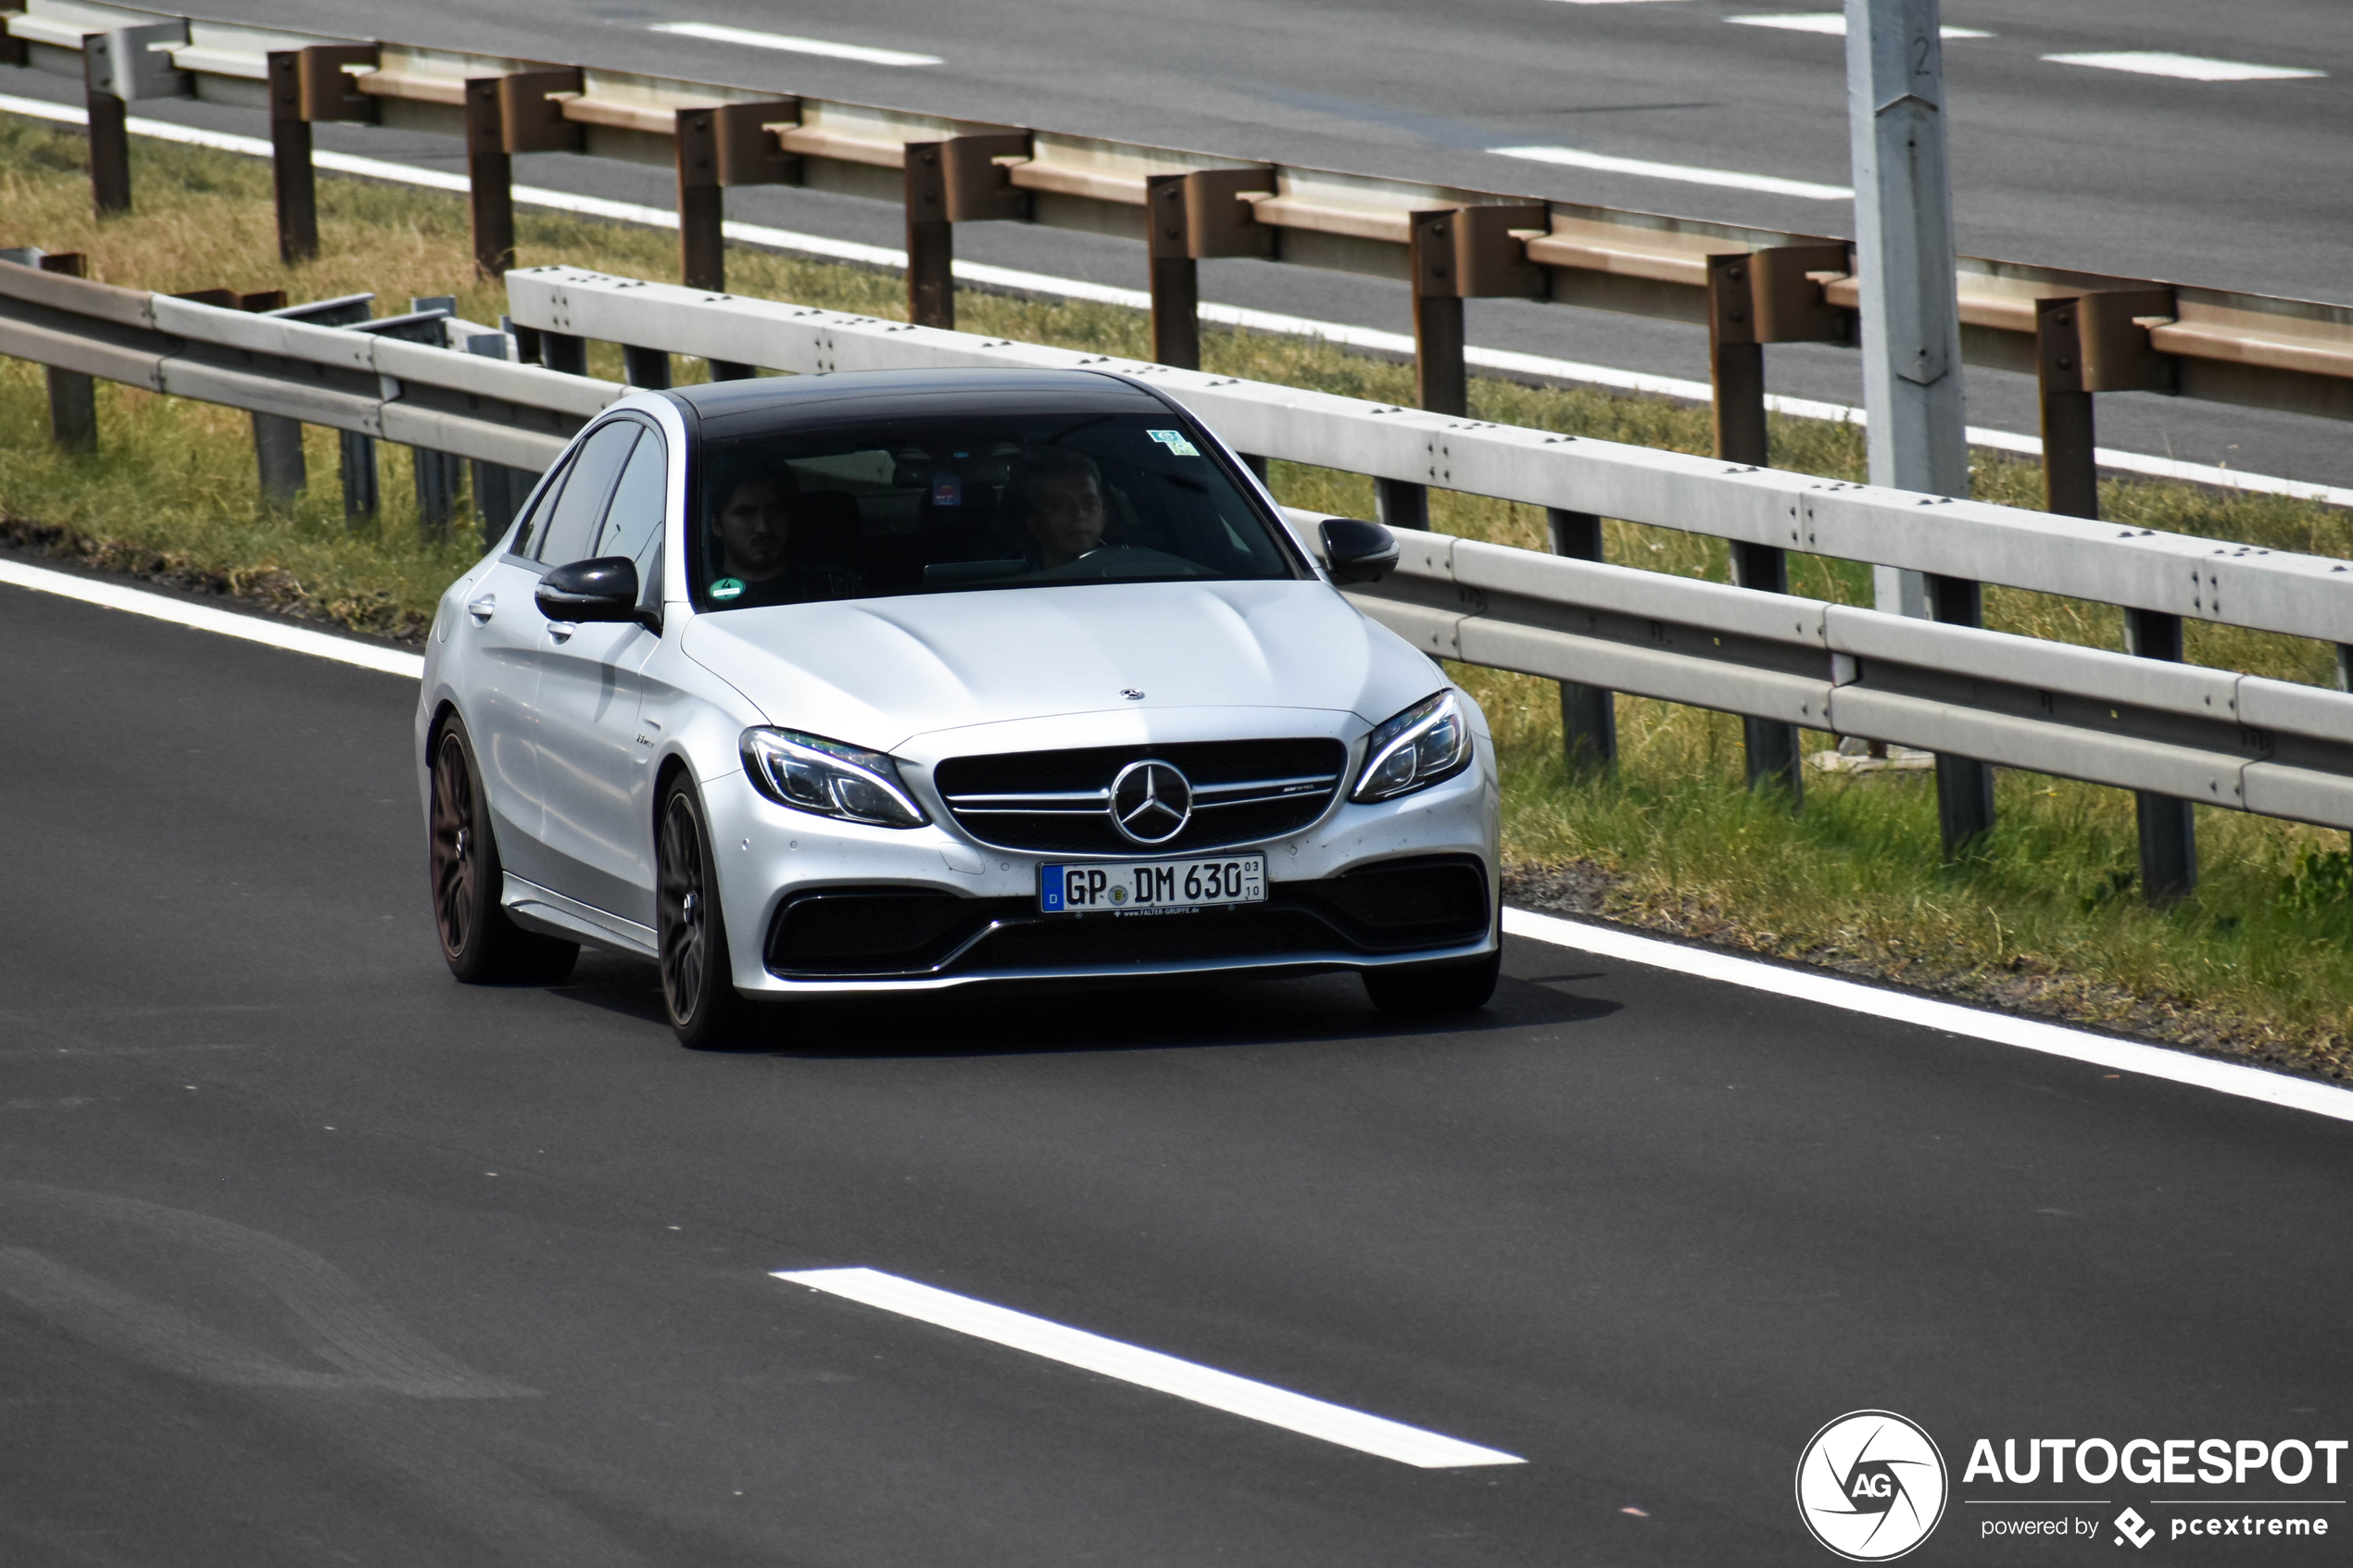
1357 551
602 589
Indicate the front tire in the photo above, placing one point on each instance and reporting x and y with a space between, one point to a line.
698 976
1433 989
481 945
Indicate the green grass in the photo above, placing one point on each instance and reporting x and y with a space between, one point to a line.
2040 914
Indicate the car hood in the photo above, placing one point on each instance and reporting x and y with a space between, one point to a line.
880 672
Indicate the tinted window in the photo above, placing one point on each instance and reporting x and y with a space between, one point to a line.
958 504
571 531
632 523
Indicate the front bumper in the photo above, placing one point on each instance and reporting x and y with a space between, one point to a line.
982 924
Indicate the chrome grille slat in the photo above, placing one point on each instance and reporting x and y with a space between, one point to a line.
1243 792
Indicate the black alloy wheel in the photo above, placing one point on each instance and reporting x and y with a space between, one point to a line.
1428 990
481 946
697 979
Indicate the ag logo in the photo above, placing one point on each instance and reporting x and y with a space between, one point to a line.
1871 1486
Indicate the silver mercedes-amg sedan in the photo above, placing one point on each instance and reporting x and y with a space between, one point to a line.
899 680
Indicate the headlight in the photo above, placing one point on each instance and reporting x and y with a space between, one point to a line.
1427 743
828 778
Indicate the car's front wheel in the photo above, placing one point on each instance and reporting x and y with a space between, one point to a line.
1431 989
481 946
697 978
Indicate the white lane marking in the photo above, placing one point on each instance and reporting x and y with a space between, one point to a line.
1150 1369
1834 23
1849 995
711 32
1605 163
1222 314
2187 68
204 618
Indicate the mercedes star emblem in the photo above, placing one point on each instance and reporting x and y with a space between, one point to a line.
1151 802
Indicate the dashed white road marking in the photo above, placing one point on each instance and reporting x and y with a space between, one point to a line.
2186 67
1575 158
1899 1007
1834 24
1150 1369
714 33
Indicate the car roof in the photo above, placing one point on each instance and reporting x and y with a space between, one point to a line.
771 403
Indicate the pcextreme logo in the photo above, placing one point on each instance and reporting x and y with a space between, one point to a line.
1871 1486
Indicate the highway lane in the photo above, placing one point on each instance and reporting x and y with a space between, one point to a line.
306 1251
2232 183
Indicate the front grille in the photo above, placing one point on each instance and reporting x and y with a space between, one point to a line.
874 933
1058 801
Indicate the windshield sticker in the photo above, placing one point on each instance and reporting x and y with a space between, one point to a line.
727 588
1175 441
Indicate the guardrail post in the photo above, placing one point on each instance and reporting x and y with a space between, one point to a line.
1588 714
1188 218
277 451
500 490
958 180
490 174
562 351
109 134
647 368
307 85
73 395
2086 344
1964 786
362 495
730 144
1457 254
295 182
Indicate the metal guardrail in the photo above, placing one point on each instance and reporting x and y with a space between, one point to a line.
2220 739
418 395
1750 286
2179 575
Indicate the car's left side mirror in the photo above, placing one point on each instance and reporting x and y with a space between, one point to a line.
602 589
1357 551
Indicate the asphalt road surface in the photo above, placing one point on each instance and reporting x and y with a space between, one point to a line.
2232 183
308 1254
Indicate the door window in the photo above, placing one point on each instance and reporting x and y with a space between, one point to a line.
632 523
571 531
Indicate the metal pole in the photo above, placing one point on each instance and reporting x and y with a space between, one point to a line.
1177 311
2070 475
490 171
647 367
73 395
931 240
291 173
1911 323
109 139
565 352
277 451
1736 365
1588 714
362 495
2070 488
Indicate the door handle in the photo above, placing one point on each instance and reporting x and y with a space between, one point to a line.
483 608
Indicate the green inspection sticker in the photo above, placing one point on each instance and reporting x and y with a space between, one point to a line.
1176 443
727 588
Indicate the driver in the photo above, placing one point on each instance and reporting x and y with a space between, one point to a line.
755 525
1063 509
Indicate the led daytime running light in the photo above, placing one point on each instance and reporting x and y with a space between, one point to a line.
1428 743
828 779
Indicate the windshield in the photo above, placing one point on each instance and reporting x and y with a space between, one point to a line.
953 503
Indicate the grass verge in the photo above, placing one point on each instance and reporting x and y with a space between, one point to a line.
2043 915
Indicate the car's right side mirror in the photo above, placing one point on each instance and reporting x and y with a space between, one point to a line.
1357 551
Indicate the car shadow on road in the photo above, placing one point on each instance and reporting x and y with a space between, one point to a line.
1094 1016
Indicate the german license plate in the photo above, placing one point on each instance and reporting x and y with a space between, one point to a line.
1151 886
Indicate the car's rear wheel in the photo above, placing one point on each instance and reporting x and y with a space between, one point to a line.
697 978
1432 989
481 946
